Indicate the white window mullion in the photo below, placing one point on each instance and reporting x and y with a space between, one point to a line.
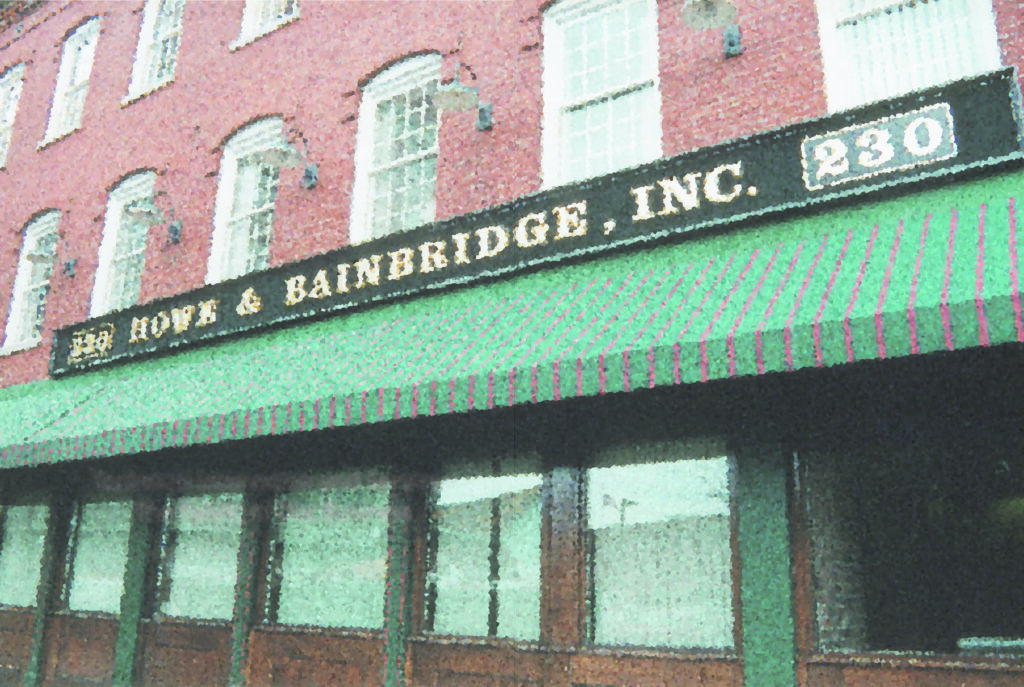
73 80
32 282
883 48
246 197
602 110
396 150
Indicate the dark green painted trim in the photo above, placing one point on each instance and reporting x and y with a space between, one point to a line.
245 612
769 642
50 582
140 543
397 602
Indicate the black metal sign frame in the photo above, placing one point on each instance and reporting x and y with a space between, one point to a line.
936 133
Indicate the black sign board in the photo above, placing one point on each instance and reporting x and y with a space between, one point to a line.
934 133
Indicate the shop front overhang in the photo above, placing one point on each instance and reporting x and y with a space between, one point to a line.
937 269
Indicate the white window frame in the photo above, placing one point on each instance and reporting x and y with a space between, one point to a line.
10 93
156 56
555 167
109 291
845 85
32 283
232 254
260 17
72 87
400 78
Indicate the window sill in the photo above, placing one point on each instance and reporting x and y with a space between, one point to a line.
50 140
137 95
919 659
247 38
10 349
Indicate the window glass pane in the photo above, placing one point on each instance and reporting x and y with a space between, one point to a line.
21 553
333 556
919 547
889 48
200 555
99 554
660 557
484 578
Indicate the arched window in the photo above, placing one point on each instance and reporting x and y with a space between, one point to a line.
123 249
32 283
73 80
243 222
157 53
396 150
10 93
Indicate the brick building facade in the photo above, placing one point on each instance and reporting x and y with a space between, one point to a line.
798 407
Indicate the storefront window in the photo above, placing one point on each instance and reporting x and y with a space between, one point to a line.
484 576
199 555
97 556
919 549
330 547
659 554
22 537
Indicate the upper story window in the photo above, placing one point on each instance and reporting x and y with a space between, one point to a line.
260 17
123 248
396 150
73 80
877 49
157 53
10 92
32 283
243 222
602 108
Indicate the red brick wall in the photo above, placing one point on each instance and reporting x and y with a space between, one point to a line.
309 72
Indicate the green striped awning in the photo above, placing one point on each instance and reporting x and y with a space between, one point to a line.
931 271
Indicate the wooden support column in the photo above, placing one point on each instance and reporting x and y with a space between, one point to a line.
769 639
51 581
142 537
398 606
255 509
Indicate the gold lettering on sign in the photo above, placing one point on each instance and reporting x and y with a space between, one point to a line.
532 230
207 312
713 183
182 317
94 342
671 190
571 220
295 289
493 240
642 198
342 286
401 263
139 327
250 303
687 192
432 256
321 285
461 247
160 323
368 271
